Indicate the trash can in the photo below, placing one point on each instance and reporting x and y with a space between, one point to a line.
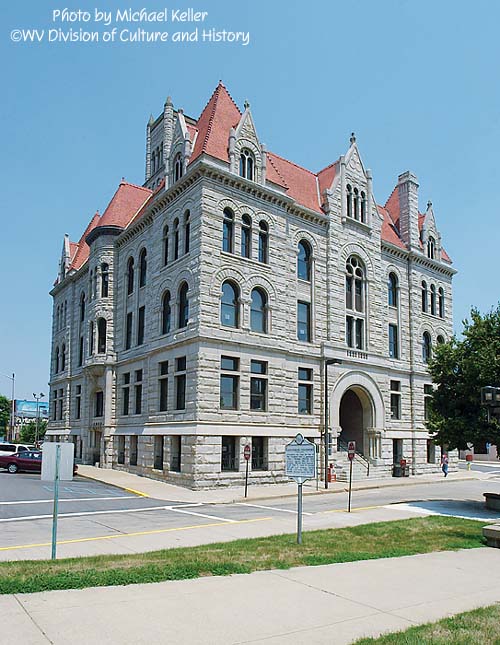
397 471
405 469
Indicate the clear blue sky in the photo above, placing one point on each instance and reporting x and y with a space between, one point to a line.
417 81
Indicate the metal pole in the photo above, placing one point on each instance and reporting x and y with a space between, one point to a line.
325 464
36 428
56 503
299 515
246 479
350 487
13 412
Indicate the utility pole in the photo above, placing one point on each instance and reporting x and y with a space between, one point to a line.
37 399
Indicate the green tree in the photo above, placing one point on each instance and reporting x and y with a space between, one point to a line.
5 410
28 432
460 368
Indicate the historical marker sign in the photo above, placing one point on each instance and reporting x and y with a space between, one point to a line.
300 457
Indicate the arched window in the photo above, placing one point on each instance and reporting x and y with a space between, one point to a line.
246 236
433 300
441 302
130 276
228 231
178 166
392 290
165 245
355 303
94 294
63 357
104 280
426 347
187 232
65 322
263 242
363 207
424 296
82 307
183 305
91 337
56 361
247 164
230 305
431 248
101 335
304 261
258 311
349 200
166 313
176 238
91 284
440 340
143 267
356 204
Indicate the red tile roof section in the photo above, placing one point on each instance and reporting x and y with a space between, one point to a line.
82 253
326 177
220 114
389 232
125 203
302 184
392 207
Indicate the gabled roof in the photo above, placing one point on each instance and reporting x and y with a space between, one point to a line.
326 176
301 184
124 204
389 231
82 248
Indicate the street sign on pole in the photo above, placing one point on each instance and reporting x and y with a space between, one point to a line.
247 451
300 465
57 464
351 451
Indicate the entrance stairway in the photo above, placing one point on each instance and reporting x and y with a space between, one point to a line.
361 467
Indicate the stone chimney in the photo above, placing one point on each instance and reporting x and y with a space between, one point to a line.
408 209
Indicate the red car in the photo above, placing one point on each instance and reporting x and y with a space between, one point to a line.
30 460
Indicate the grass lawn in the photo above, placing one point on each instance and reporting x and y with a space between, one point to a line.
368 541
477 627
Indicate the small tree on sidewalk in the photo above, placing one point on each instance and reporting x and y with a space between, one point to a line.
28 433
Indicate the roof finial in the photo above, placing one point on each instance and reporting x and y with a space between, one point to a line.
151 119
123 180
429 204
352 139
246 105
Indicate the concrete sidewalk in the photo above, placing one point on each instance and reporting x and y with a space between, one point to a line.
161 490
336 603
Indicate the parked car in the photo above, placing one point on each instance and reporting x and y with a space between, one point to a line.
11 448
29 460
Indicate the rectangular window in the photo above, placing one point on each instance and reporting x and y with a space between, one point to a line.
138 392
140 325
304 321
258 386
99 404
60 415
431 452
78 402
359 333
54 405
128 330
133 451
229 383
163 386
259 453
121 450
175 453
91 338
80 352
428 392
395 399
228 454
159 452
393 341
180 383
305 390
228 363
126 394
349 339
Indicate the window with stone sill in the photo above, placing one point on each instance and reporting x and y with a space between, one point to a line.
304 260
247 164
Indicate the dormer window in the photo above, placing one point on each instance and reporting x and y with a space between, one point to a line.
247 164
431 248
178 167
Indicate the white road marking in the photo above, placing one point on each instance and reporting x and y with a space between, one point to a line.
271 508
450 513
66 499
84 513
209 517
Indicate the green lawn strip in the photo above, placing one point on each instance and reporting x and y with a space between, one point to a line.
365 542
476 627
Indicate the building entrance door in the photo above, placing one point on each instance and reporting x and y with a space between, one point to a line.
352 421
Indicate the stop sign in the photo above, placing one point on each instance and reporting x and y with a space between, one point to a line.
351 450
247 451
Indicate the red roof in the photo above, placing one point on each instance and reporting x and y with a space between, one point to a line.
302 184
82 248
326 177
125 203
389 231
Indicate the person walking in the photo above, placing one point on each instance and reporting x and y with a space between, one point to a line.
444 464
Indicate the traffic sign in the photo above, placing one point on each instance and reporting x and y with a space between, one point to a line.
351 450
247 451
300 457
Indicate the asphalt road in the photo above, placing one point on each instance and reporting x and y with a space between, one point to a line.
93 515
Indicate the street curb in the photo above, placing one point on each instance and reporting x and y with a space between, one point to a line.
128 490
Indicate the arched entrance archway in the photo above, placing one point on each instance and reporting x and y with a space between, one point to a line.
355 416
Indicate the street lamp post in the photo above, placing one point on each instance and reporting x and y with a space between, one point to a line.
13 408
327 362
37 399
490 397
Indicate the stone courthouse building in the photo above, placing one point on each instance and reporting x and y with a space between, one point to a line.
202 311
